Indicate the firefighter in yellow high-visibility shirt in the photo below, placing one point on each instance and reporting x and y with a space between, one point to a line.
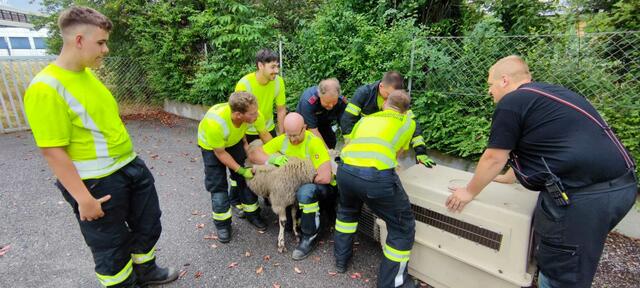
221 136
300 143
75 122
367 175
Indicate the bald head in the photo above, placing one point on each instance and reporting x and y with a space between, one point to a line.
512 66
293 123
507 75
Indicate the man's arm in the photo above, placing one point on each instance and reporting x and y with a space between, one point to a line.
259 156
508 177
352 113
90 208
324 173
265 136
226 159
489 166
281 113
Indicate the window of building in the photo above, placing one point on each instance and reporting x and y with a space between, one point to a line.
40 42
20 43
3 43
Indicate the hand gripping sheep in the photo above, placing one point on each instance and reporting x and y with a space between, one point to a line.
280 186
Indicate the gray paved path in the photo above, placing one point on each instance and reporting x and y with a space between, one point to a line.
47 249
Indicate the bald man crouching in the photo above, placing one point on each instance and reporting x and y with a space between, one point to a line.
300 143
555 143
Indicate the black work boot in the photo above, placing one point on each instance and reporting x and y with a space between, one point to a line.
150 274
305 247
224 234
257 221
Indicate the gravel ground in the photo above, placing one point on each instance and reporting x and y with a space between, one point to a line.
41 245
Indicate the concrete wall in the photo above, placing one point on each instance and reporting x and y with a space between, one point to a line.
629 226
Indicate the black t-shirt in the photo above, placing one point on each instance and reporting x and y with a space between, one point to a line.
533 126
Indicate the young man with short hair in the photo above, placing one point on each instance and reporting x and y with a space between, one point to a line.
75 122
221 136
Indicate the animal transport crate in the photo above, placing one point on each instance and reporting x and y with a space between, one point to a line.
487 245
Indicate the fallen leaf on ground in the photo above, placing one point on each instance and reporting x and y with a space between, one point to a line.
276 285
195 212
200 226
214 245
233 265
211 237
333 273
186 264
247 254
198 274
266 258
316 258
182 273
276 264
4 250
297 270
261 232
356 275
259 270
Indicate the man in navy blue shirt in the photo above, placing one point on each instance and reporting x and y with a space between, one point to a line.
369 99
321 106
558 144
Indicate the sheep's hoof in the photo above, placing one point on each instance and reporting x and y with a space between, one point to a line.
282 249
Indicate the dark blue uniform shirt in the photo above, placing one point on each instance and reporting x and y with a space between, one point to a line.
314 114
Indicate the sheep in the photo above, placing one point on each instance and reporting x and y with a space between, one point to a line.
280 186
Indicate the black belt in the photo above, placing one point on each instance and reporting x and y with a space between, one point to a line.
368 171
627 178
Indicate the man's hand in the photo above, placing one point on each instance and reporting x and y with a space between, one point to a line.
278 160
92 208
425 160
245 172
459 197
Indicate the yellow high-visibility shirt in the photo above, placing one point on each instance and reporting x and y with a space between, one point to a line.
216 130
311 148
266 95
376 139
76 111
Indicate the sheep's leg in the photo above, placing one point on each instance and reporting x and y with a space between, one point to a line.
282 219
294 211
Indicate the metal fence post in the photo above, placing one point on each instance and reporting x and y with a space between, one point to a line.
413 51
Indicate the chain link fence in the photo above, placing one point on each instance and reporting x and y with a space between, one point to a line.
125 78
604 67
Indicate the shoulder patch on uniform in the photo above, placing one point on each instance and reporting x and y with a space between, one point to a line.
313 99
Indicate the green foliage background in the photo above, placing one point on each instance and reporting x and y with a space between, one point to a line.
195 51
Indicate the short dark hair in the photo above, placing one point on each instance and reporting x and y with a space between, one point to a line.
76 15
240 101
399 99
393 79
266 55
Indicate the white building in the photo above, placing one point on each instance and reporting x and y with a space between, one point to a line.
17 36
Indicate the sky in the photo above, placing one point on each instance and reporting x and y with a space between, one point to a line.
23 4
